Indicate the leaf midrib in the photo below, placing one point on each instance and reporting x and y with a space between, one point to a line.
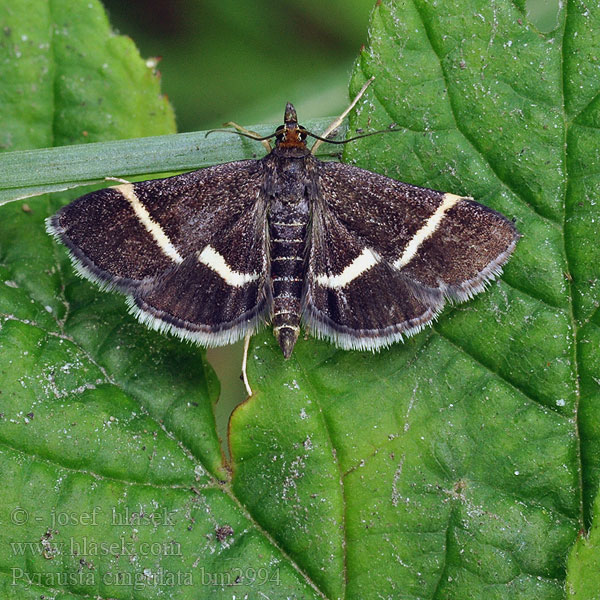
569 282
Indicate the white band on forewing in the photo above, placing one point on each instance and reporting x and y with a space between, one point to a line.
212 259
153 228
430 227
364 261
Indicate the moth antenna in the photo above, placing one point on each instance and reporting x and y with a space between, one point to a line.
248 135
356 137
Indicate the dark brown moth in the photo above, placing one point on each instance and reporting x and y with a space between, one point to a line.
354 256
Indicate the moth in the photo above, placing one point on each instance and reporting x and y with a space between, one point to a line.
355 257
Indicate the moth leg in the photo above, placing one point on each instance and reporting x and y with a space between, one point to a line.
117 179
245 363
339 120
249 132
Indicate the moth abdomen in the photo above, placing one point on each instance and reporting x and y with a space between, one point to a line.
286 324
288 271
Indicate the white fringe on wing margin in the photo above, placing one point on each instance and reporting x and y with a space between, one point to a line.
194 333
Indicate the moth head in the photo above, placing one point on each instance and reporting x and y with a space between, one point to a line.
290 134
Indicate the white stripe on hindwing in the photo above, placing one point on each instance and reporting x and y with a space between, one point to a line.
215 261
152 227
430 227
363 262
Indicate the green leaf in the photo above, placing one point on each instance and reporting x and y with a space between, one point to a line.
461 464
583 567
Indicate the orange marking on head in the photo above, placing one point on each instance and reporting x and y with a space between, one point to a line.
292 137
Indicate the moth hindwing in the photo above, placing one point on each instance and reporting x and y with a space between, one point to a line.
358 258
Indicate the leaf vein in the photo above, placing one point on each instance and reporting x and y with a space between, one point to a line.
569 262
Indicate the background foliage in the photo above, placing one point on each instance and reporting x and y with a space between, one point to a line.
257 55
